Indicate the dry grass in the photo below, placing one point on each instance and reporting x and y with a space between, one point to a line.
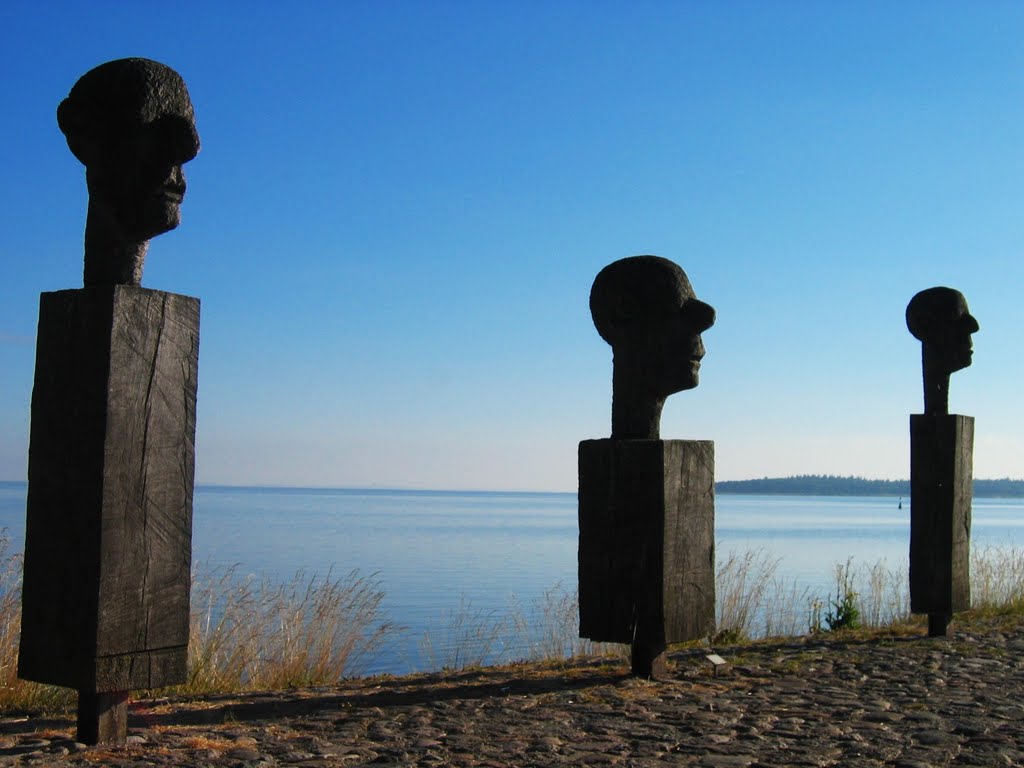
249 634
18 695
883 594
752 601
245 634
546 629
997 577
205 742
466 637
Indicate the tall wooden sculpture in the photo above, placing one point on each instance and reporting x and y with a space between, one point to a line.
111 456
941 447
647 505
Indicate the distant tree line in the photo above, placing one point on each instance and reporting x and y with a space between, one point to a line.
836 485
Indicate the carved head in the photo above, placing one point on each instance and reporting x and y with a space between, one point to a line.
645 307
130 122
939 319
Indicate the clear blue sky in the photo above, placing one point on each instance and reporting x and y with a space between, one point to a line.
399 208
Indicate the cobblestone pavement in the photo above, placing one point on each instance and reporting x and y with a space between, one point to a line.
905 701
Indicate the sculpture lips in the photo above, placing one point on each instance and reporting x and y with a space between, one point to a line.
175 193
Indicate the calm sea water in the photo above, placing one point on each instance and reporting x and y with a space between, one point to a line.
435 551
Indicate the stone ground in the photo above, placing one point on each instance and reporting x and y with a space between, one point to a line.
897 700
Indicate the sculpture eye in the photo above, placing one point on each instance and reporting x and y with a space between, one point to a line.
177 136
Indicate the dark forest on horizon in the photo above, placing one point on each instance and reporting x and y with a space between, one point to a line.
798 485
836 485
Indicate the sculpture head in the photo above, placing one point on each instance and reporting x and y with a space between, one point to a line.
645 307
131 123
940 320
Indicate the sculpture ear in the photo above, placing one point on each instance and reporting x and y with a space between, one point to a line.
77 129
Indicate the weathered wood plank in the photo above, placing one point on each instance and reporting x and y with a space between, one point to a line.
111 462
102 717
940 513
621 510
148 474
646 552
689 568
141 669
65 489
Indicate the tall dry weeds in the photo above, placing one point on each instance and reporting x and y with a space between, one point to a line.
883 594
997 577
549 628
249 634
245 634
18 695
466 637
752 601
545 629
254 634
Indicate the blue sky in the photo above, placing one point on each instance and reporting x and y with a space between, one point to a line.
399 208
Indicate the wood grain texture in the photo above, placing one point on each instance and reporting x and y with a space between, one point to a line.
111 474
689 559
941 449
646 551
102 717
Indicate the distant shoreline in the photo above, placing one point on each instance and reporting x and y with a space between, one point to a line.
834 485
798 485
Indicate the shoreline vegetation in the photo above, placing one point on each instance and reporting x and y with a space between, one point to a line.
794 485
836 485
251 635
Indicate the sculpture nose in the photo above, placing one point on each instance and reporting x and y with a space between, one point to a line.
701 313
175 181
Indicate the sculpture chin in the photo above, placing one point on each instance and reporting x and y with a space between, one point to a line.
688 378
171 215
161 214
952 359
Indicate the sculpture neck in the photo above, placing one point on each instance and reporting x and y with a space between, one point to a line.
636 414
936 384
110 259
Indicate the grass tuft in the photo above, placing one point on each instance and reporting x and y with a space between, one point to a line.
752 601
997 578
245 634
249 634
467 637
546 629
